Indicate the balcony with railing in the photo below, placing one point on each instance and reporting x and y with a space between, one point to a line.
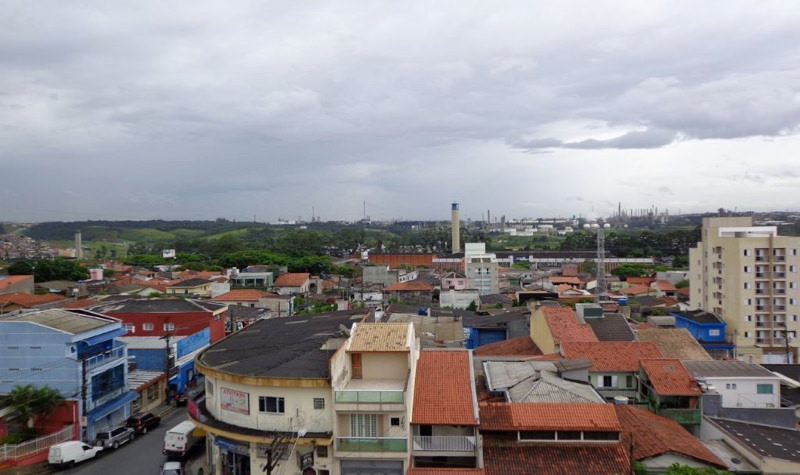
116 354
762 308
371 396
443 443
762 275
682 416
779 275
371 444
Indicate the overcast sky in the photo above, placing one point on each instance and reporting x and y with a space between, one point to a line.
198 109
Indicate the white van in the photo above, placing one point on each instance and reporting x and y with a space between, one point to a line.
180 439
70 453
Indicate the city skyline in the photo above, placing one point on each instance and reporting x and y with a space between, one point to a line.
239 109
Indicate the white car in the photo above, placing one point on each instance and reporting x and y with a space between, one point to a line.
70 453
171 468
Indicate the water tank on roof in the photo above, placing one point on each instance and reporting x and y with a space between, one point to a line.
620 400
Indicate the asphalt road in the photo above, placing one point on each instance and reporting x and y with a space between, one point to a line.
141 456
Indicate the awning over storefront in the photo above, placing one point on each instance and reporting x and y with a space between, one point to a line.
93 340
112 405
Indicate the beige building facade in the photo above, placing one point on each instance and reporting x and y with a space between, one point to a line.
749 276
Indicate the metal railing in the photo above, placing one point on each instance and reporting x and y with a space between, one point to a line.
33 447
444 443
369 397
98 360
371 444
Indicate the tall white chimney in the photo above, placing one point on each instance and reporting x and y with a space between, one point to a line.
78 245
456 245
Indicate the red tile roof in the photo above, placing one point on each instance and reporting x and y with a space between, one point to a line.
292 279
654 435
242 295
670 378
664 285
29 300
412 286
443 389
548 416
10 280
565 327
519 346
635 290
684 291
80 303
565 280
623 356
503 457
444 471
640 280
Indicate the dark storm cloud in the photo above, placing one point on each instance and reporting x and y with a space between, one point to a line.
272 107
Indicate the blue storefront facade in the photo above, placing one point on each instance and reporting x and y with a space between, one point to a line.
149 353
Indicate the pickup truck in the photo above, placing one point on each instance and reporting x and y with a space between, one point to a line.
115 437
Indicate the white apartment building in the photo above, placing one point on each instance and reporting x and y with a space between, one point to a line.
481 269
749 275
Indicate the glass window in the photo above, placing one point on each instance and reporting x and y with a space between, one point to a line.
271 405
147 326
537 435
764 389
322 451
364 425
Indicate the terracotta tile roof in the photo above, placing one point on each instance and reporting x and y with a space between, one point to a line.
242 295
444 471
635 290
646 281
201 274
668 301
443 389
670 378
519 346
674 343
565 327
548 416
565 280
654 435
80 303
29 300
379 337
664 286
684 291
292 279
10 280
503 457
159 285
412 286
622 356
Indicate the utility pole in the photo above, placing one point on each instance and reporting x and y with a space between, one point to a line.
84 401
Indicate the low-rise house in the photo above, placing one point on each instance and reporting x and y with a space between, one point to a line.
552 438
244 297
22 301
674 343
615 364
493 327
611 327
708 329
414 292
658 442
664 288
444 420
740 384
670 391
551 326
454 281
16 283
518 346
195 287
292 283
636 290
150 388
459 299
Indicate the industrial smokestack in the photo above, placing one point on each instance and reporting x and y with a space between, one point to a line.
456 247
78 245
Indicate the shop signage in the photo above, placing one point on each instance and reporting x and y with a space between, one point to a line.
236 401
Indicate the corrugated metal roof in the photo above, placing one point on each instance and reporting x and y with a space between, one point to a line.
62 320
380 337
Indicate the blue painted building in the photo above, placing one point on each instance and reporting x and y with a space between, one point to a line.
149 353
708 329
75 352
484 329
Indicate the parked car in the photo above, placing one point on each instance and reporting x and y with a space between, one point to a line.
70 453
143 422
171 468
114 438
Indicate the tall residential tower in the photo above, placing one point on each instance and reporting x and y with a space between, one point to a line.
749 276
